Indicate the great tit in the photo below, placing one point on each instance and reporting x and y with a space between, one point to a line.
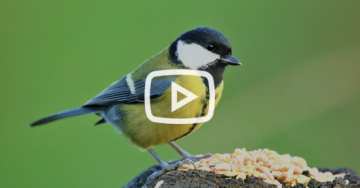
122 103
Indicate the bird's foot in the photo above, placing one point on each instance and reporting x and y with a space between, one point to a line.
195 158
169 167
176 164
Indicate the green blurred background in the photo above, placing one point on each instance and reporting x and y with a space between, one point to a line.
298 90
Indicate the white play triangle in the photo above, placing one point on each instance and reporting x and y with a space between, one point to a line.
174 103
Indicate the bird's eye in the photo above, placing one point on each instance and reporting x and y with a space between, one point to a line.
209 47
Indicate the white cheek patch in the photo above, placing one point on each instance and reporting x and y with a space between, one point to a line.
194 56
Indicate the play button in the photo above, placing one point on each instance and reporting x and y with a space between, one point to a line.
188 97
175 88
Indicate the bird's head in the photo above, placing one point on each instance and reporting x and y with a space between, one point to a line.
202 47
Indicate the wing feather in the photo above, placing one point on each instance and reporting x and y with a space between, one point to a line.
120 93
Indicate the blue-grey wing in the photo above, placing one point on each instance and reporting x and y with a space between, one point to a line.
123 92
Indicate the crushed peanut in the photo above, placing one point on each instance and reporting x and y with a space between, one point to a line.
265 164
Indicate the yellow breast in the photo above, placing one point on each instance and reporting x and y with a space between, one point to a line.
145 133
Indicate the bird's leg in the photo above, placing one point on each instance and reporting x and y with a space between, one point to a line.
165 166
187 155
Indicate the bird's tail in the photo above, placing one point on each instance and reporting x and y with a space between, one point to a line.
69 113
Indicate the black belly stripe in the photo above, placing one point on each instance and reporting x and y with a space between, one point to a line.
216 70
205 103
190 130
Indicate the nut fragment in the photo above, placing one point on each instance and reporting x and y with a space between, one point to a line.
289 179
223 167
290 172
241 169
320 179
277 174
217 156
278 159
298 170
241 175
249 166
232 174
275 167
186 167
341 175
286 158
263 169
206 168
303 179
256 173
313 172
197 164
328 174
262 176
269 176
215 162
222 172
298 161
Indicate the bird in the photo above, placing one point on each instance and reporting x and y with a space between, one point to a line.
122 103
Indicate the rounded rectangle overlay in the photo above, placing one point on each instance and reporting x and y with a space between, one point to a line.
154 74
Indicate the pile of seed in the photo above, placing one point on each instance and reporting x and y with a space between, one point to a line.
265 164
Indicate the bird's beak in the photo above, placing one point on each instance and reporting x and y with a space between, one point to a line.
231 60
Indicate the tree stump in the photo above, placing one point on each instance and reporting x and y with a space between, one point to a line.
203 179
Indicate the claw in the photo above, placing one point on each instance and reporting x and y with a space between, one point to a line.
173 164
207 155
168 167
194 158
190 161
181 163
